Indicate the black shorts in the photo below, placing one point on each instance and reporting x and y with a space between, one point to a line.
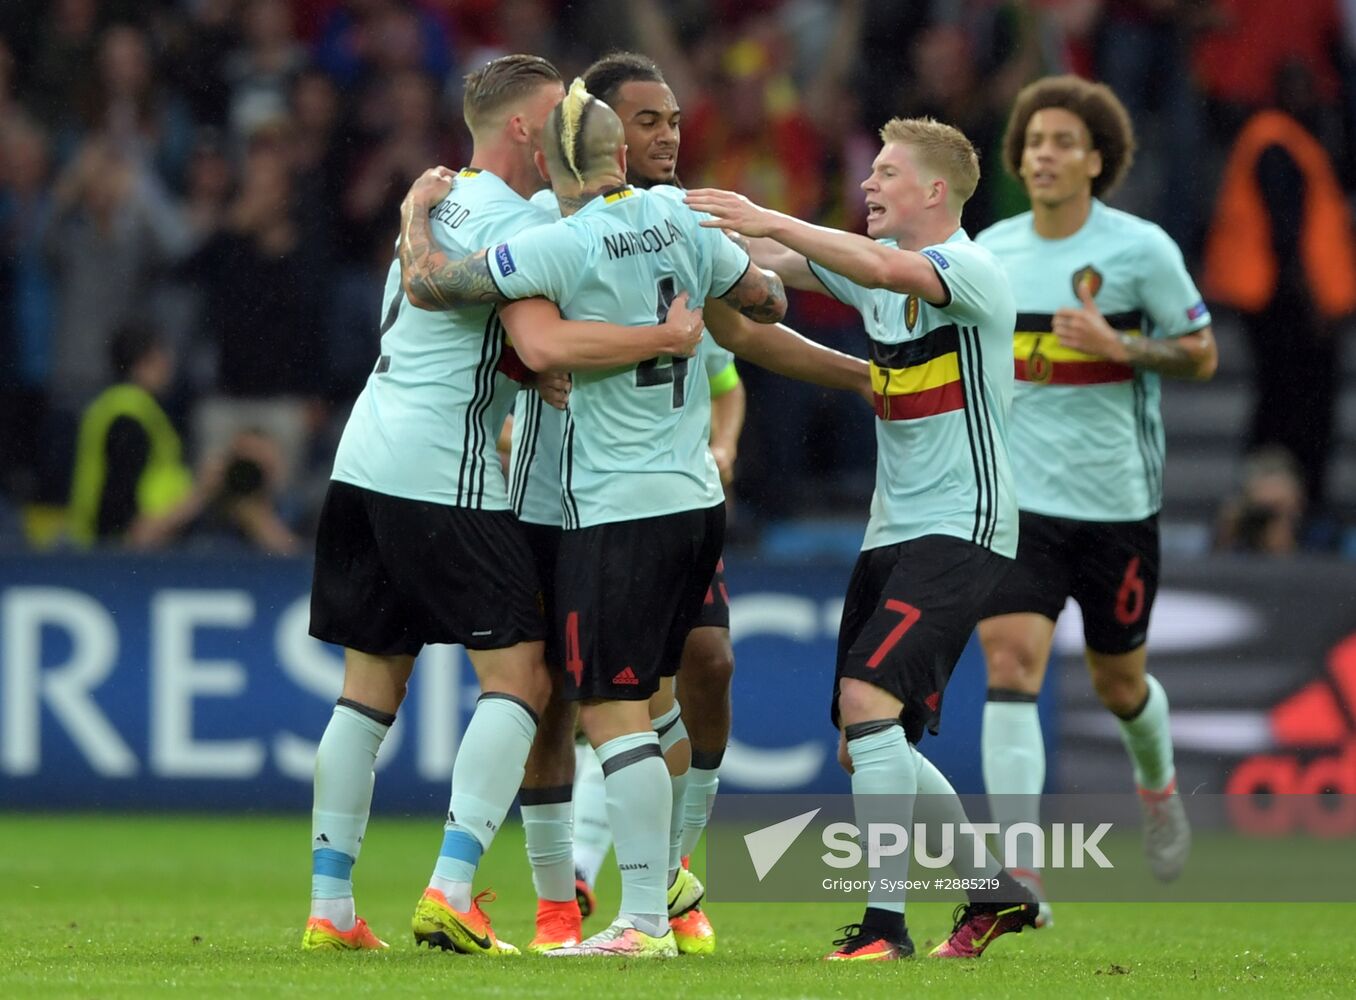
544 541
715 612
392 575
1109 567
627 594
909 611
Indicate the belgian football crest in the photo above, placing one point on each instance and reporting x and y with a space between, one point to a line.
1039 368
1087 279
911 313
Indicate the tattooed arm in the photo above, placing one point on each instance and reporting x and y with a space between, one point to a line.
759 295
431 279
1190 356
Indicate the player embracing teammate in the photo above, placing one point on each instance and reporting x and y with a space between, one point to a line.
642 499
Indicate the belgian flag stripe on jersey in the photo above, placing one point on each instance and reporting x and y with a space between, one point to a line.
917 378
1039 357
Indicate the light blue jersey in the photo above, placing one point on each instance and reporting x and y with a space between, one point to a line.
635 439
425 425
1086 434
943 386
538 429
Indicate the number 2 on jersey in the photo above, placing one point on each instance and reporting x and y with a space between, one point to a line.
648 372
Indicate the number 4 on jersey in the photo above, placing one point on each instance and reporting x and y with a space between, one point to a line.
648 372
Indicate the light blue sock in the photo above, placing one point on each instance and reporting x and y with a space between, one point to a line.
936 805
639 801
884 784
344 777
701 789
1013 754
547 826
485 779
671 732
1148 738
592 834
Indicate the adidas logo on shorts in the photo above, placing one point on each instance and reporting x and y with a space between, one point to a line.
626 676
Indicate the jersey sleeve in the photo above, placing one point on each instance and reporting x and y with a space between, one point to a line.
973 280
843 289
729 262
538 261
1169 295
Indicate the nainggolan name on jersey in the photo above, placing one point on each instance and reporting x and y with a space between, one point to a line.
650 240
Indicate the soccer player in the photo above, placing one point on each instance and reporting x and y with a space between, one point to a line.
634 86
642 534
1105 307
416 543
943 528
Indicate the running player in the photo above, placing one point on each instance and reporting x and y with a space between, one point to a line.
1105 307
416 543
943 527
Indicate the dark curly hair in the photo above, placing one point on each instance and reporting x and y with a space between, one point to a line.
606 76
1096 105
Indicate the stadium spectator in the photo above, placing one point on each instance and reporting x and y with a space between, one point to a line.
1281 251
130 485
129 103
260 72
1266 514
113 229
1245 44
25 304
66 43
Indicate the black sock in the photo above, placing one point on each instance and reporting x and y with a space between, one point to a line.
1009 891
887 923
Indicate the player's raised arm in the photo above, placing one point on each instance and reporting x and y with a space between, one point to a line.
857 258
780 349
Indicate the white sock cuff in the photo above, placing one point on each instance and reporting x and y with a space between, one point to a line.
366 723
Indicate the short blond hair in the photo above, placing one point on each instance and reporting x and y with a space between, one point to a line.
499 84
939 147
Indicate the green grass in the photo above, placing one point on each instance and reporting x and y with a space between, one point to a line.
104 906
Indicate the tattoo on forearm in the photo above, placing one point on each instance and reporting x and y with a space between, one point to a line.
764 302
1169 357
433 278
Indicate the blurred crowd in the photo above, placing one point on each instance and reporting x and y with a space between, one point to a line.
226 174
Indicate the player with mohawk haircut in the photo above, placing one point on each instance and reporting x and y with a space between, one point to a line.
643 504
633 86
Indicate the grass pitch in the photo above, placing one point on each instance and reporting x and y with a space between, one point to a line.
110 906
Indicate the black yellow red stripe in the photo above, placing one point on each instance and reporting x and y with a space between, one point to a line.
1039 357
917 378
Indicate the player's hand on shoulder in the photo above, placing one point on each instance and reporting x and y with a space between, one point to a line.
729 211
554 388
432 187
685 327
1086 329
